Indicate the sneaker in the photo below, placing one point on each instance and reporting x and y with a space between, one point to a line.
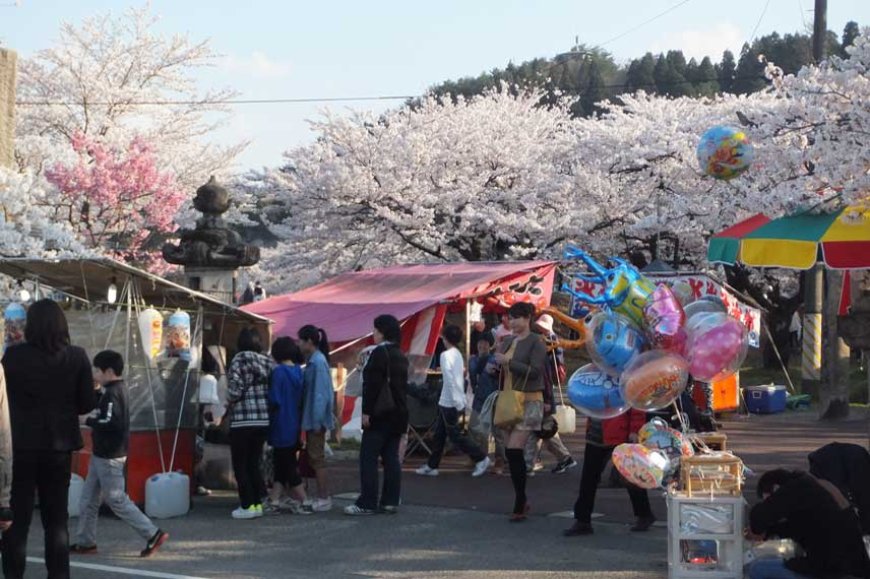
271 508
357 511
154 543
481 467
295 507
388 509
250 513
564 465
201 491
426 470
642 524
321 505
77 549
578 529
538 466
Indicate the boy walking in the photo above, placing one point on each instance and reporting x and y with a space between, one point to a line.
111 436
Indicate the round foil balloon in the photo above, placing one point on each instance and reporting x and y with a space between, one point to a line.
664 318
613 341
670 441
595 394
641 466
717 347
684 292
724 152
704 307
654 379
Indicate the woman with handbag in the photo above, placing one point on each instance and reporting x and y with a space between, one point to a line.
520 405
384 420
248 411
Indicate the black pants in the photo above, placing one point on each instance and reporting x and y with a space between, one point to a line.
383 445
448 426
286 467
594 460
246 448
48 472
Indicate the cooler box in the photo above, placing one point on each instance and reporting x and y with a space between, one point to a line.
765 399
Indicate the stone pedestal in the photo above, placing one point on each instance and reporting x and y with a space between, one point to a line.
8 60
217 283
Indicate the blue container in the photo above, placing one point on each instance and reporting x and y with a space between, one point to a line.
765 399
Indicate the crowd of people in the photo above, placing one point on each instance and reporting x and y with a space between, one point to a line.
286 398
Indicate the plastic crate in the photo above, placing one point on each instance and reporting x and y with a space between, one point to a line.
768 399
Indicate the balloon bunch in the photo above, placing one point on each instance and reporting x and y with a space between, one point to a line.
645 341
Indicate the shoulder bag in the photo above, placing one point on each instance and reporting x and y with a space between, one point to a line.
510 404
384 403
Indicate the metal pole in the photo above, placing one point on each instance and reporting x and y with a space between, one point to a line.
811 360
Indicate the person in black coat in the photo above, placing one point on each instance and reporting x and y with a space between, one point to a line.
49 384
384 421
848 467
816 516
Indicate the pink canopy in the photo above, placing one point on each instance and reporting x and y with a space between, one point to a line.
345 306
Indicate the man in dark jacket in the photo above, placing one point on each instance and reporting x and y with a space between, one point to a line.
848 467
814 514
111 437
602 436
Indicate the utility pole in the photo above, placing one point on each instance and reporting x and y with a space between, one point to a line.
814 285
8 61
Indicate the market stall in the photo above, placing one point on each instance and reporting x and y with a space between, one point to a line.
163 330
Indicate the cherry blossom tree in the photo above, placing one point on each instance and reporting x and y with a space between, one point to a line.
485 178
116 200
94 81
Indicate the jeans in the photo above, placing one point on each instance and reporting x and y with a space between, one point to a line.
106 481
246 449
48 472
448 426
383 445
594 460
771 568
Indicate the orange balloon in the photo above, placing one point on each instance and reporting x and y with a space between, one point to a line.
654 380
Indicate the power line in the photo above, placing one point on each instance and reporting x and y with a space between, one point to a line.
757 24
644 23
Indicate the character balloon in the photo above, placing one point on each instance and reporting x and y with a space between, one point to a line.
641 466
724 152
654 379
595 394
613 341
665 319
626 291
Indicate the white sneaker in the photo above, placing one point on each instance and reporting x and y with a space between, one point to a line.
426 471
356 511
249 513
321 505
481 467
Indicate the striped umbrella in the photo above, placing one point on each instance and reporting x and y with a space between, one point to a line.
841 240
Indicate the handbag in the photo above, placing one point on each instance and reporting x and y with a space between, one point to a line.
510 404
384 403
565 415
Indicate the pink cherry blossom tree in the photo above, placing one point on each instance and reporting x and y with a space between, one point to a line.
115 199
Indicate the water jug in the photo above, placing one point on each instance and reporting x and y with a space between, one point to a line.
167 495
76 484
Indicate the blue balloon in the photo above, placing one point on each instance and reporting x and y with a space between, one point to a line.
613 341
595 394
724 152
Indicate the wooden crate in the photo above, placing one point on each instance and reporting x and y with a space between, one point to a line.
711 474
713 440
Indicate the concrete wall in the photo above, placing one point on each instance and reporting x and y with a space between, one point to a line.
8 60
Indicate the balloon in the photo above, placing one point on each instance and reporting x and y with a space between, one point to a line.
684 292
641 466
704 306
178 336
151 332
626 290
669 440
724 152
15 319
612 341
717 346
654 379
595 394
665 319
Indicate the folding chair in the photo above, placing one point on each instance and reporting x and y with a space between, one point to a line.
422 417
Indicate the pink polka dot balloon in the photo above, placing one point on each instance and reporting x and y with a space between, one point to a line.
717 346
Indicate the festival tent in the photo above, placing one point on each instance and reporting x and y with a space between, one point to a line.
417 295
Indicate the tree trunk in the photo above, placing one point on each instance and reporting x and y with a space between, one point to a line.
834 396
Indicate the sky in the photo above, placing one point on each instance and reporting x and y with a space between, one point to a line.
375 48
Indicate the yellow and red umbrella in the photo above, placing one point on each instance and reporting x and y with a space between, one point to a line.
839 239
